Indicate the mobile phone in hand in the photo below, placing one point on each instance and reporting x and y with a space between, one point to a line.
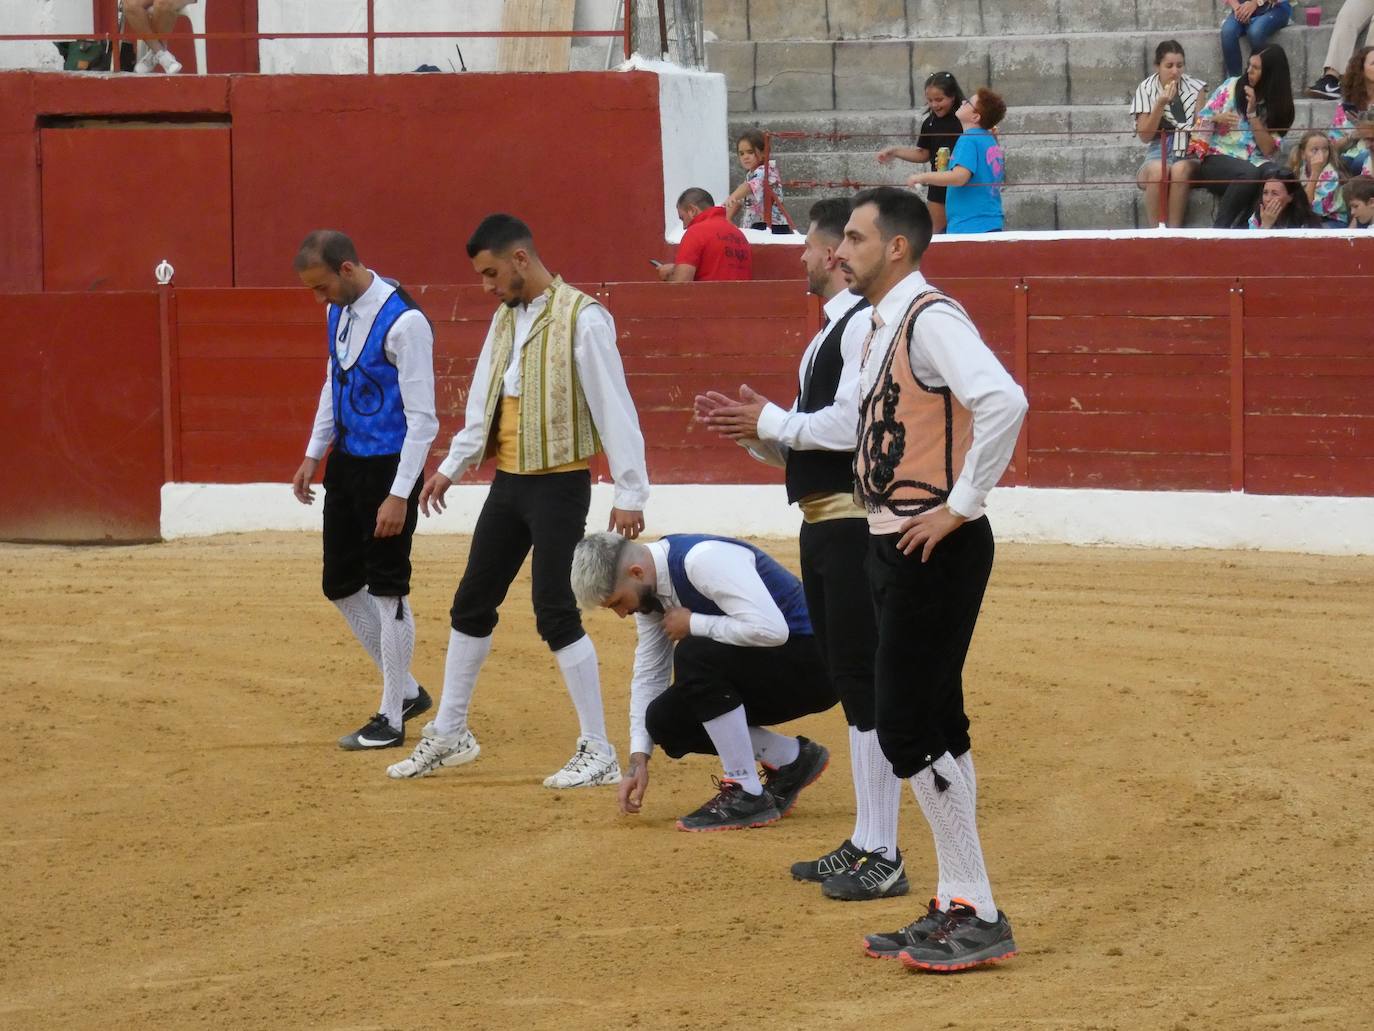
655 263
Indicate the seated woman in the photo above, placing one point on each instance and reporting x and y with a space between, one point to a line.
1357 94
1321 174
1239 133
1256 19
1283 205
1166 102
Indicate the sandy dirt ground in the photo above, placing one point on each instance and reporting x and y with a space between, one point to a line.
1175 771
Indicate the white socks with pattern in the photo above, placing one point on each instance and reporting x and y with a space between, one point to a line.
577 662
462 663
396 633
877 794
362 617
730 734
958 852
773 749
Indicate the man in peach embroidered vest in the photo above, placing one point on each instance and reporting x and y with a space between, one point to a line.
938 421
548 392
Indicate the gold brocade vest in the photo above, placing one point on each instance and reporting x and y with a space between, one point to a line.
555 424
913 438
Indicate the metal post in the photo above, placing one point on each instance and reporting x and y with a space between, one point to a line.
1238 386
371 38
1164 177
1021 469
629 28
662 29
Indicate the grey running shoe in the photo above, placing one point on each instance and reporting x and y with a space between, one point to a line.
828 865
890 945
732 809
962 943
872 876
786 782
375 733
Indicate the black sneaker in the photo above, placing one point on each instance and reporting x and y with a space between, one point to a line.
1328 87
871 876
890 945
412 707
963 942
828 865
785 783
376 733
732 809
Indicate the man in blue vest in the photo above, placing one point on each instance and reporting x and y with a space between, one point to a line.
725 650
376 420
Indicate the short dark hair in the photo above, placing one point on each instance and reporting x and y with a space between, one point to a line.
1169 46
499 233
829 216
1360 188
696 197
900 213
327 247
990 106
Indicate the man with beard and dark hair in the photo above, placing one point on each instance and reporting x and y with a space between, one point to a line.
815 440
547 394
725 650
376 421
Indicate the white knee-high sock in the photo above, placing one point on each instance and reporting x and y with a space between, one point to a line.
461 666
965 762
878 792
397 639
361 615
958 852
730 734
773 749
577 662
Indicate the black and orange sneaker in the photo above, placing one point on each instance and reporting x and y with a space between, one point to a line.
833 862
871 876
892 944
962 942
786 782
732 809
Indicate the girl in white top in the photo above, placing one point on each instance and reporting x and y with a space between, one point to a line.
1167 101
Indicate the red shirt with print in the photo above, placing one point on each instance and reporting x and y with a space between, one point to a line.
717 249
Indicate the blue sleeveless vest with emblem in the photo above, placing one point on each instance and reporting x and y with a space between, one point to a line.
785 588
369 418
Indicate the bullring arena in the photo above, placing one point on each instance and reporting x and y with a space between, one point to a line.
1169 684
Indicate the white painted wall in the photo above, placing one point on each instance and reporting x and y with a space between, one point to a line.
693 123
70 18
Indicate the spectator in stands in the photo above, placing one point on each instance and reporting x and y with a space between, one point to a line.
939 132
712 249
1317 167
1359 198
1167 101
1283 205
149 19
749 195
1256 19
1239 132
1357 94
1354 15
977 168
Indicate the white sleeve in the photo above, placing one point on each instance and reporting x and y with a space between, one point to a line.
834 427
469 442
725 573
602 375
322 433
945 340
653 670
410 344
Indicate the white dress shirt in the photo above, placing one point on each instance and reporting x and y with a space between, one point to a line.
602 376
410 346
947 350
724 573
834 427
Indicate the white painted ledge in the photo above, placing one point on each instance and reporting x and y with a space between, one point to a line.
1116 518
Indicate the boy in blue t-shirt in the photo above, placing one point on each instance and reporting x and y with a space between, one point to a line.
976 168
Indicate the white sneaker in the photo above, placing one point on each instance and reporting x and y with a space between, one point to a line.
170 64
435 750
588 768
147 59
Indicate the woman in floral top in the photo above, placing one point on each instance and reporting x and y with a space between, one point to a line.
1357 94
1239 133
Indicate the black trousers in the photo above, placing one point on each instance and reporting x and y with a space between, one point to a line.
926 615
1238 197
354 488
775 685
841 606
547 513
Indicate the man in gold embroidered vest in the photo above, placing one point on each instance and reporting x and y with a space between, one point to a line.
547 394
938 421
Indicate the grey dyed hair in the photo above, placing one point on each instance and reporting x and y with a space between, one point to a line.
596 568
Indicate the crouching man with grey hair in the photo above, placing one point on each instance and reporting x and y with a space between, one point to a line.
725 650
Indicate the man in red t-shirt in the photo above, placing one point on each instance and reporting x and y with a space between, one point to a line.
712 249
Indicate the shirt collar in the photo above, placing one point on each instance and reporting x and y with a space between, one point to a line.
663 583
836 307
892 307
717 212
370 301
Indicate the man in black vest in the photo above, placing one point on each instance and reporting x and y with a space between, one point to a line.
815 441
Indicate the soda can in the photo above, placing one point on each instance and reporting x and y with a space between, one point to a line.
942 159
